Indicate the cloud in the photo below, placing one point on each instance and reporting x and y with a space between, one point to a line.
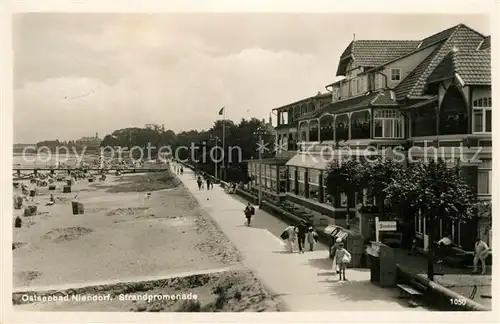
77 74
184 95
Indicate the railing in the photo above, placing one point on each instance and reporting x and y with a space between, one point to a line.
314 146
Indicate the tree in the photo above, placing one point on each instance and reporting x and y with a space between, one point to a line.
438 192
378 175
347 177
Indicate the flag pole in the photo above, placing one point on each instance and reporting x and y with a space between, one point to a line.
224 142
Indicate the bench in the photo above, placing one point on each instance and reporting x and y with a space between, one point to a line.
408 292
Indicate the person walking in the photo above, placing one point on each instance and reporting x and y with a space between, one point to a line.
481 252
182 170
208 183
312 237
335 247
200 183
301 235
292 236
249 212
342 258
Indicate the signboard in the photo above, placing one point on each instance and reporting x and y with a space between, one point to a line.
387 226
383 226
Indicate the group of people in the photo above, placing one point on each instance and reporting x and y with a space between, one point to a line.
231 188
302 233
298 234
207 179
179 169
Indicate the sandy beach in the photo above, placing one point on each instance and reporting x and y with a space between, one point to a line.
127 236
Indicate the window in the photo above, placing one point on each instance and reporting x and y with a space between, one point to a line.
395 74
291 178
423 121
343 199
303 132
482 115
313 131
283 178
389 123
360 125
484 178
314 184
341 127
326 128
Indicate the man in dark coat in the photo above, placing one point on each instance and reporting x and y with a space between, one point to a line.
301 235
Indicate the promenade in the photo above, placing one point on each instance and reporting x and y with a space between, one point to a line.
305 282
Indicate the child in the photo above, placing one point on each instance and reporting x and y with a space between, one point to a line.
342 258
312 237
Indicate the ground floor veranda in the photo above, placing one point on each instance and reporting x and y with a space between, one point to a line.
301 181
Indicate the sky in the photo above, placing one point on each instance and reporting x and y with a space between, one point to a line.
76 74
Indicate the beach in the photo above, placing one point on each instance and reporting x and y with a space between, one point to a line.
137 230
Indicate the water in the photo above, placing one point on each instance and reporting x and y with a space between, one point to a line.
45 160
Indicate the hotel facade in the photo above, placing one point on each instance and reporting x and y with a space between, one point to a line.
426 96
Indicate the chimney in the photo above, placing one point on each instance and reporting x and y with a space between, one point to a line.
96 135
270 119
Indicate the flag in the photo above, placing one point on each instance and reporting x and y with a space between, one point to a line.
221 111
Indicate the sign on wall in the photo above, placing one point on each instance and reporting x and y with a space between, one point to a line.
387 226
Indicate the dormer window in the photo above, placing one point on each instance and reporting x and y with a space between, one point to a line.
395 74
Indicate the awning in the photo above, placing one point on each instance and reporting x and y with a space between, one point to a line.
309 161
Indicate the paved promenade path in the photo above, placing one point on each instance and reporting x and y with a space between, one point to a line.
305 282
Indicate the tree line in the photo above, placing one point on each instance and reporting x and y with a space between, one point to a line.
242 135
436 191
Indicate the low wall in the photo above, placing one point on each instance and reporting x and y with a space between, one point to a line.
437 296
280 213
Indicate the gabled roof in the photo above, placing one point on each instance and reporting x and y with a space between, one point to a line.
372 99
370 53
460 36
474 67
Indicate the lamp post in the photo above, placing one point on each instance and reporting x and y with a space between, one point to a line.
260 131
217 140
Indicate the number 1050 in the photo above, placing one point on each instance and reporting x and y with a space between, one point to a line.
457 301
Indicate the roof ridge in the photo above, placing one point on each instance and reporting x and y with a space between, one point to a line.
471 29
428 68
416 50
